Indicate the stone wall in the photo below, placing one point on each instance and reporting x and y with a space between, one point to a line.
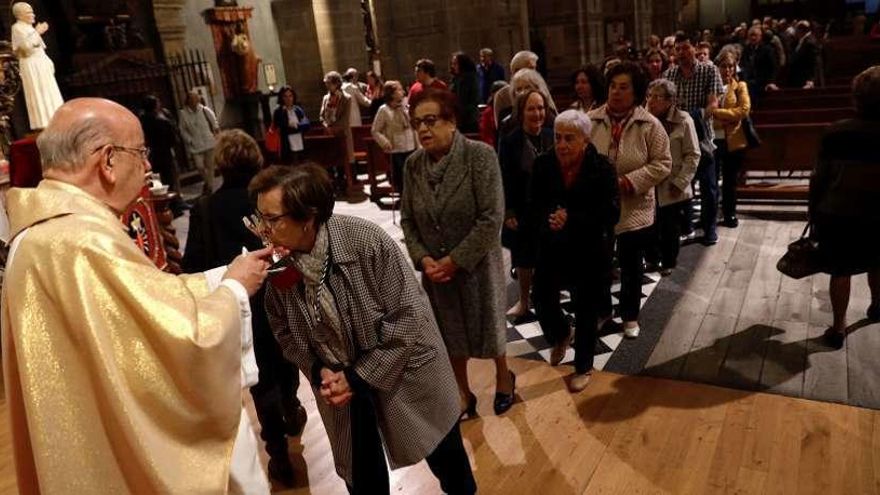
182 26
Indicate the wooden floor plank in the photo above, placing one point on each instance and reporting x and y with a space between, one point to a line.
709 350
745 355
784 361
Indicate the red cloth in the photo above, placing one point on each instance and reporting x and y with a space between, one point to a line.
487 126
25 169
417 87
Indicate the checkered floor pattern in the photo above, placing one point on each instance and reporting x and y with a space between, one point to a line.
526 340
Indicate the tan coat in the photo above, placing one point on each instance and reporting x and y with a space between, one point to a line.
732 109
643 159
685 150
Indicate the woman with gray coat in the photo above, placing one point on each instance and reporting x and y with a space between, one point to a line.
451 214
675 189
349 313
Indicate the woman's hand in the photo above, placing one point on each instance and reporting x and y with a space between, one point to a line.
557 219
439 271
335 389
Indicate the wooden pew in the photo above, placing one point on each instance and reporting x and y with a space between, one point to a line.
785 148
801 116
378 168
809 102
330 151
359 134
837 89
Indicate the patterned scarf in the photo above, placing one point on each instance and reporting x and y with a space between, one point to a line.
311 265
618 124
436 170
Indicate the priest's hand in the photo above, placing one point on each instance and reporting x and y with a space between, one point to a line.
42 28
250 269
335 389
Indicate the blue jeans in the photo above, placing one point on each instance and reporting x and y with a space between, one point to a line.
708 179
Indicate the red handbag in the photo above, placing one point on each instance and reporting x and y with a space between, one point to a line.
273 140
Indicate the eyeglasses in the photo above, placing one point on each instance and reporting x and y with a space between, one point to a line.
429 121
143 153
269 221
655 96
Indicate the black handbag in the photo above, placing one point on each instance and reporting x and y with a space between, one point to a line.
802 258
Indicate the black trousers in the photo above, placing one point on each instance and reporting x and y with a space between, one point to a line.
631 253
587 288
275 394
448 462
398 160
668 229
730 163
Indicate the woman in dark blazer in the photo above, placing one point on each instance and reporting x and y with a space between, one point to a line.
292 124
576 204
516 153
845 202
350 315
216 236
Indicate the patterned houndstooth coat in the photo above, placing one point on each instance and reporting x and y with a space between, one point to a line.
399 350
462 221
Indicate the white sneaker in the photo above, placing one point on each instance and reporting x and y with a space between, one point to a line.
631 332
579 381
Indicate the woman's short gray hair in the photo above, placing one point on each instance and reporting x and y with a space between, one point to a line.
69 147
574 119
866 92
534 80
666 85
333 77
523 60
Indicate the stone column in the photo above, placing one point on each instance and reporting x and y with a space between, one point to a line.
169 24
595 31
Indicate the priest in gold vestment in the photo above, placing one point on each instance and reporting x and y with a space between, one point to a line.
120 378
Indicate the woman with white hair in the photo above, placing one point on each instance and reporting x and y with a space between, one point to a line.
575 203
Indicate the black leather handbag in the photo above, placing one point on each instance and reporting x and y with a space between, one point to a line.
802 258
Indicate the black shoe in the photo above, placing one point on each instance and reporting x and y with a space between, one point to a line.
731 222
281 471
295 422
710 240
653 267
503 402
874 312
524 318
834 338
471 411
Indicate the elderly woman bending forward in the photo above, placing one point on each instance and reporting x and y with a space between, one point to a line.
453 206
576 203
357 325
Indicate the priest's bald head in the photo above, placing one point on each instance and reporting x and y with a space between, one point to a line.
98 146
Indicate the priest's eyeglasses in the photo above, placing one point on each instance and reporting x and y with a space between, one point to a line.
143 153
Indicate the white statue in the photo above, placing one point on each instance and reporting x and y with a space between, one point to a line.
37 70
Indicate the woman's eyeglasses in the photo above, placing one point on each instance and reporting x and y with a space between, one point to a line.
429 121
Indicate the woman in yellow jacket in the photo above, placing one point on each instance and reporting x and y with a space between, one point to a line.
730 137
